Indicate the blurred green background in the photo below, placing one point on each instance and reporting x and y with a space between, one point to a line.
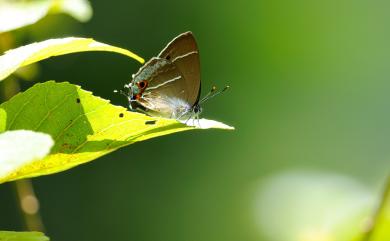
309 99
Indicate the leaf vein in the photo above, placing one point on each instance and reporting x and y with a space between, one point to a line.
50 111
18 113
59 135
105 129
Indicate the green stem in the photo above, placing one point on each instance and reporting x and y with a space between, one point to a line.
29 205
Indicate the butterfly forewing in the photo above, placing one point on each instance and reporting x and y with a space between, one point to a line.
183 52
173 79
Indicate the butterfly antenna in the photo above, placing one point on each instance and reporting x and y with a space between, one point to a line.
213 92
213 89
123 92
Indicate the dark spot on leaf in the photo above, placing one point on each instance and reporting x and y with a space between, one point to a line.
78 100
121 115
168 57
150 122
65 147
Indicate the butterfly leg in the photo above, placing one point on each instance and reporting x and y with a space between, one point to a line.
198 119
189 118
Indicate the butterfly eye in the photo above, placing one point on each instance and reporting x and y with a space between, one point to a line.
142 84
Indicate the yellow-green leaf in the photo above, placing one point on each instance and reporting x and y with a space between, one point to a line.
17 14
380 229
22 236
83 127
28 54
79 9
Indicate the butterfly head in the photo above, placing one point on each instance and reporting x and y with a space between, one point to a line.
137 88
134 93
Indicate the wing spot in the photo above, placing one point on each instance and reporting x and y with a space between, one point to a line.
142 84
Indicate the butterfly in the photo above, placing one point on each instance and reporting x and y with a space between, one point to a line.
169 85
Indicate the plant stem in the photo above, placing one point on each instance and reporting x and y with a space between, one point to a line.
26 198
29 205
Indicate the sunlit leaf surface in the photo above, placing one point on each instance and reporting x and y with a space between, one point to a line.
28 54
16 14
22 236
79 9
83 127
20 147
381 222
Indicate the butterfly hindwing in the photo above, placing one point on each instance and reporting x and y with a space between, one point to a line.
164 95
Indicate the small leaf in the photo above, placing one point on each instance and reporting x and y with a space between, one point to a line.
20 147
17 14
380 229
28 54
79 9
22 236
84 127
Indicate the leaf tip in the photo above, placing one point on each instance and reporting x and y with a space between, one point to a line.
207 124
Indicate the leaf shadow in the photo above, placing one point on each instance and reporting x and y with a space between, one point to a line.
58 110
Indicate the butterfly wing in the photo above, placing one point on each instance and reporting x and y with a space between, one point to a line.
165 93
173 79
183 52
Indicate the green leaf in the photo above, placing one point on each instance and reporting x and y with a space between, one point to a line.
22 236
380 229
20 147
28 54
17 14
79 9
84 127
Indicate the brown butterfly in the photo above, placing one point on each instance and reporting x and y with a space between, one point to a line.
169 85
